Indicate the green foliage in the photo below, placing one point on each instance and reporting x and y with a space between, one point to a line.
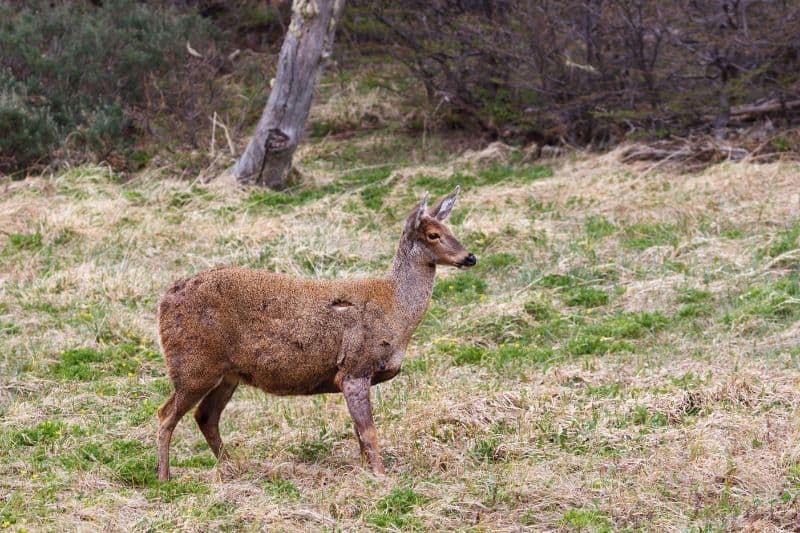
693 296
488 449
171 490
540 310
598 227
643 236
786 240
585 297
497 261
465 354
367 181
778 299
464 287
644 417
489 176
281 489
587 520
314 449
9 329
43 433
504 356
393 510
24 241
556 280
131 462
86 364
67 69
609 390
611 333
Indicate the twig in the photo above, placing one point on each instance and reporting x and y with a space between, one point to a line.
213 134
222 125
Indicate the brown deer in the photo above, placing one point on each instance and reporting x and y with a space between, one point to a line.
288 335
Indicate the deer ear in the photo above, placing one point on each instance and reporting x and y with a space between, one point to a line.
421 210
443 207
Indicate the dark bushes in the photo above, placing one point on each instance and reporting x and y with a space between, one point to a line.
83 80
594 71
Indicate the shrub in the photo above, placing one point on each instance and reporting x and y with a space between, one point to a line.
73 73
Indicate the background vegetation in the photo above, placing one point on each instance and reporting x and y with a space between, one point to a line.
624 356
126 81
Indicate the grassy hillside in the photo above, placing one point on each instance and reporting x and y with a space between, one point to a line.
624 356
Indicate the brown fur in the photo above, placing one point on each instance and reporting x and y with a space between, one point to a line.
287 335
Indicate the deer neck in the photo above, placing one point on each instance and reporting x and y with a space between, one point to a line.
413 275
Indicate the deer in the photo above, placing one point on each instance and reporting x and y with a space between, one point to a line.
297 336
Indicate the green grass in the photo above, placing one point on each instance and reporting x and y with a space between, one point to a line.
587 520
464 287
87 364
598 227
567 349
643 236
489 176
585 297
43 433
24 241
777 300
394 510
312 450
786 240
281 489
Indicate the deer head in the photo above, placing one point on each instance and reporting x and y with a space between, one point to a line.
430 240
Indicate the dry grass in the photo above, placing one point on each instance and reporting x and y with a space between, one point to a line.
666 397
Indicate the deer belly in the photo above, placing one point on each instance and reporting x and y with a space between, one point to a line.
288 366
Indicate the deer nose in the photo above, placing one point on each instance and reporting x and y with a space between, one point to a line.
470 260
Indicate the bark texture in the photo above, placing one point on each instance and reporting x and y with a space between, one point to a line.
309 40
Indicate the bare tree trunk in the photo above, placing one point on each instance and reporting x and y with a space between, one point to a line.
268 158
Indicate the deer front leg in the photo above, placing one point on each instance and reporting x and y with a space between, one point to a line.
356 393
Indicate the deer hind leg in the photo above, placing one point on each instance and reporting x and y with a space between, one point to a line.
169 414
210 409
360 442
356 393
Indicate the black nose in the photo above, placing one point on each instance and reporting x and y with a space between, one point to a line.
470 260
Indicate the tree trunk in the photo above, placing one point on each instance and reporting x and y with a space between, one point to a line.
268 157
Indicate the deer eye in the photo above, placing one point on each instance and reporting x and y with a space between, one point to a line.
433 236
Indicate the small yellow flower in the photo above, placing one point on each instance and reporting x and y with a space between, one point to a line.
483 297
6 524
99 393
23 472
70 339
34 476
516 345
451 287
101 341
130 374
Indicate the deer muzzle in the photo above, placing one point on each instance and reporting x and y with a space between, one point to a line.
468 261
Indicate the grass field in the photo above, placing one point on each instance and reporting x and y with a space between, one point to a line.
625 356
